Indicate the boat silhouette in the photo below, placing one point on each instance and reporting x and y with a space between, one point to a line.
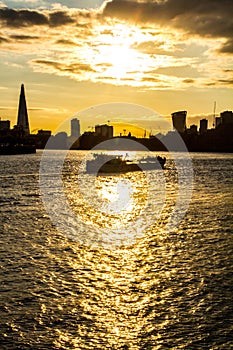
108 164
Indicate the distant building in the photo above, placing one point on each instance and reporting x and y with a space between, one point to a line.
5 125
42 137
179 121
75 128
203 126
192 129
44 132
59 141
226 117
22 119
104 131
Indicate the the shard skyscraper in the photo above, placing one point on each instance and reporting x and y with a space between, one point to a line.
22 120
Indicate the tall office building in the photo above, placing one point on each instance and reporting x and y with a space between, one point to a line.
22 120
75 128
203 126
226 117
179 121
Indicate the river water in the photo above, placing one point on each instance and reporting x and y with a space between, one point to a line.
162 290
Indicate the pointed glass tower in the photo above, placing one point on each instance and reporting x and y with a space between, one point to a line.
22 120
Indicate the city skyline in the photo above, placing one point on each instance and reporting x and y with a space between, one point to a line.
166 56
72 126
217 139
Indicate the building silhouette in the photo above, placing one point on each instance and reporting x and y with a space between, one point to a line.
179 121
75 128
226 117
22 119
104 131
5 125
203 126
192 129
19 139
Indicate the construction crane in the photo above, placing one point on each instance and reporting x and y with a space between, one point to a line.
214 114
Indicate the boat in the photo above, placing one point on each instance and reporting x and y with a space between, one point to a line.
17 149
107 164
151 163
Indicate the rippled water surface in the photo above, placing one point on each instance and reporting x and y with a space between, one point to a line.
162 290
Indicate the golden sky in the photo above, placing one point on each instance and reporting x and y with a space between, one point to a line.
165 55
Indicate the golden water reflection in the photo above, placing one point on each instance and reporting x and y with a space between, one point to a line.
119 287
114 201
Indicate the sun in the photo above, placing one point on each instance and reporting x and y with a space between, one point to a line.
121 61
115 57
118 54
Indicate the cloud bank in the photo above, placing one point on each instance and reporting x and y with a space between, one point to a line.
164 44
210 18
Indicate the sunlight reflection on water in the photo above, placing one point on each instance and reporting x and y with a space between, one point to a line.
126 203
167 290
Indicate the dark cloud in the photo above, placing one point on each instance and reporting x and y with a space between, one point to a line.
21 18
227 47
211 18
27 18
226 81
24 37
104 64
107 32
188 81
127 79
3 40
228 70
151 80
211 84
60 18
66 42
77 68
72 68
131 10
83 25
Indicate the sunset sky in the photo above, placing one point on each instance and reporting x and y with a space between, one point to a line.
167 55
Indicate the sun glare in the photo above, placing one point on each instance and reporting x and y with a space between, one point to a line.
121 60
116 58
121 55
118 196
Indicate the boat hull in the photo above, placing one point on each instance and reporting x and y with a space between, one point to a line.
116 166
